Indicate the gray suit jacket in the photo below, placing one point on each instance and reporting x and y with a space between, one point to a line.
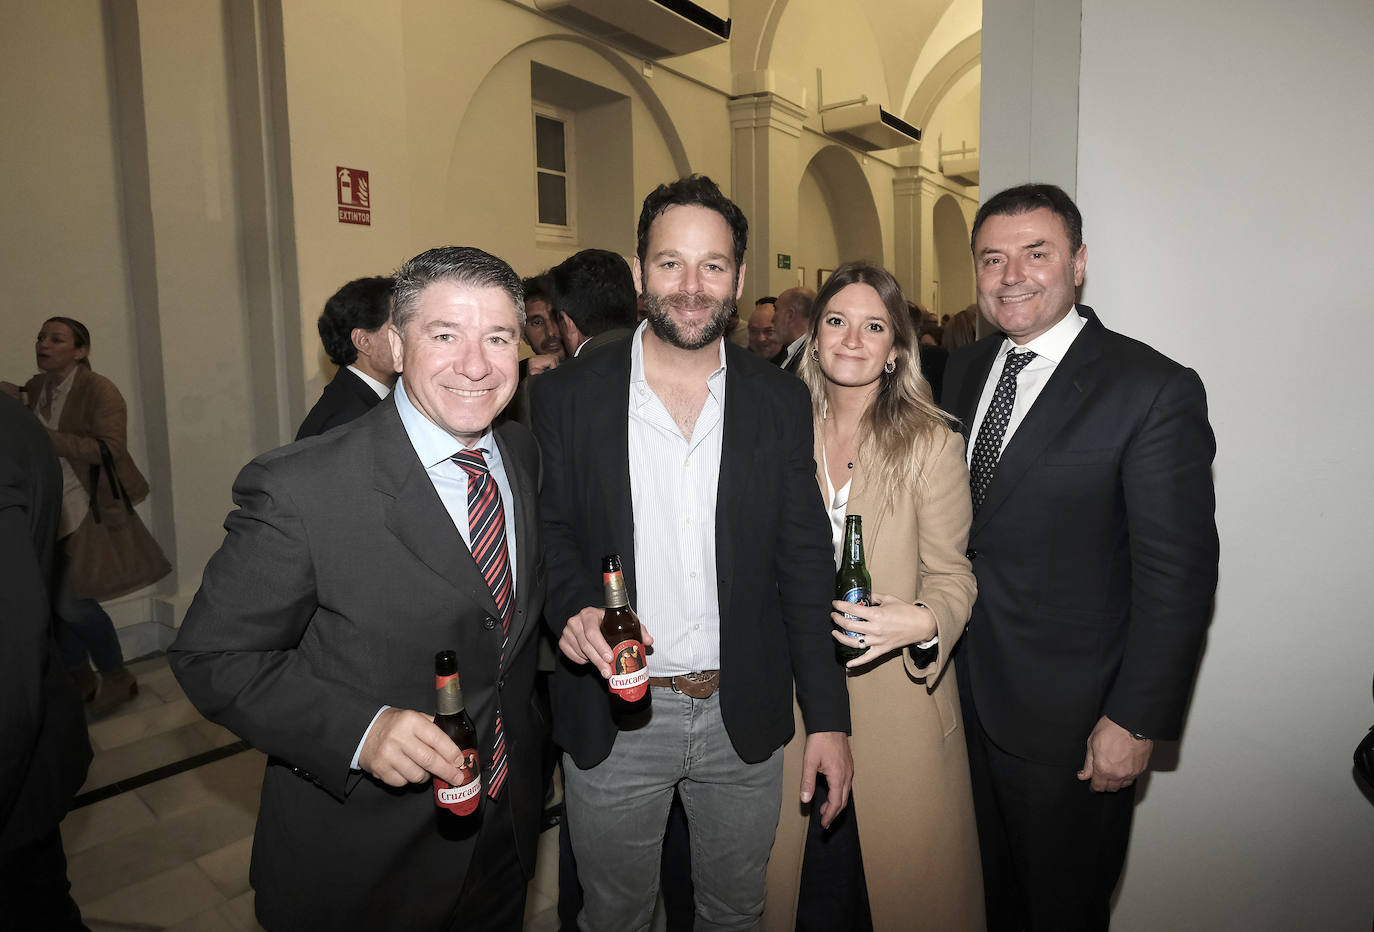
340 578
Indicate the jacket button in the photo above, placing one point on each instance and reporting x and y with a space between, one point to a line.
489 623
501 683
971 554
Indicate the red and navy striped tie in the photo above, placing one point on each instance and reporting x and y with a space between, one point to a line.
487 533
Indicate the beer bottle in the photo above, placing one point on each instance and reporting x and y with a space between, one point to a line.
620 628
460 799
852 583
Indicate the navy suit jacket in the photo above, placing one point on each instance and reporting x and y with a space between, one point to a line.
774 563
343 399
1095 549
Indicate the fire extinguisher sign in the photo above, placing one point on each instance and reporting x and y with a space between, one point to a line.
355 197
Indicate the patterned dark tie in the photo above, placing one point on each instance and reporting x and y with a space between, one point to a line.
987 449
487 533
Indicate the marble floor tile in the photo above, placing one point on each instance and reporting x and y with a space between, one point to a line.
546 921
110 818
156 902
101 870
126 727
228 867
235 780
239 912
545 880
136 757
536 903
211 920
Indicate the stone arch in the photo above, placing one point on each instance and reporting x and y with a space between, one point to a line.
850 213
953 259
953 65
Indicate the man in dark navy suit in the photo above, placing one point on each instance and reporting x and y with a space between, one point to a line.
1095 548
353 331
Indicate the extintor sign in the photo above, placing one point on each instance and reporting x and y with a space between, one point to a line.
354 195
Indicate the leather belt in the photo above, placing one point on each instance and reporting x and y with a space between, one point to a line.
696 685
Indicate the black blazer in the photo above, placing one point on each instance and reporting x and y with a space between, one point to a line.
340 578
343 399
42 724
774 562
1095 549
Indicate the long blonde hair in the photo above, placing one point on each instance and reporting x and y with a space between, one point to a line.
903 426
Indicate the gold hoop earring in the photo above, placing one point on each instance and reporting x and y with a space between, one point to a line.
890 366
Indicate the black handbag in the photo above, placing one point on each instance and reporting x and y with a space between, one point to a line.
112 552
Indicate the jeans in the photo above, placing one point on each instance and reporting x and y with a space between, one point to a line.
617 811
86 634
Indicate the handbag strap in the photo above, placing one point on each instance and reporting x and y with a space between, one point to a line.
116 487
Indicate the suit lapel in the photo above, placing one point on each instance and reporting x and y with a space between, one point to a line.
606 429
965 407
414 512
523 487
1057 404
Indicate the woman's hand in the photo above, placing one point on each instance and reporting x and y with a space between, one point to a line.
888 624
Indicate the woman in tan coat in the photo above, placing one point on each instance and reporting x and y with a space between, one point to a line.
905 853
80 409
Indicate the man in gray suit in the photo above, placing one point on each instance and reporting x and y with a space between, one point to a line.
352 559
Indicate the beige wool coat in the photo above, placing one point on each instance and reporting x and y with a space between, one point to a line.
911 779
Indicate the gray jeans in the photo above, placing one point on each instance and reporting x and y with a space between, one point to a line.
617 811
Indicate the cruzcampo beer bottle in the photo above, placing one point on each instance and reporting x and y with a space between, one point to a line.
620 628
852 583
460 799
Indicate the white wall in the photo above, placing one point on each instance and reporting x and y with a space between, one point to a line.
1206 239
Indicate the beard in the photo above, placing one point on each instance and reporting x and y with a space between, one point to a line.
692 336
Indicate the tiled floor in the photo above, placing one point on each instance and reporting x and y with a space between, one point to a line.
173 854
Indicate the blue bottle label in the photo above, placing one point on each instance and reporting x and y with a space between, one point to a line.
859 597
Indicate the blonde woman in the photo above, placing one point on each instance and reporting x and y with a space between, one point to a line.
904 855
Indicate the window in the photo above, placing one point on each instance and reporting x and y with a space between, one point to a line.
553 179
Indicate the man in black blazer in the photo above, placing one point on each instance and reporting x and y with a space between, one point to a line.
354 333
345 570
42 724
690 458
1095 549
791 315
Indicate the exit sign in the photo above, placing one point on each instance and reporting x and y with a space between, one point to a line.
784 261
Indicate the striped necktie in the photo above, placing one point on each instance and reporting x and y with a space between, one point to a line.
487 534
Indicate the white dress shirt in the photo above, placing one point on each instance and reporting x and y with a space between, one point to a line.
381 390
673 484
76 501
1049 349
436 447
793 349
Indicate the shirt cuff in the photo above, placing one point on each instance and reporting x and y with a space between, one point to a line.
926 645
353 764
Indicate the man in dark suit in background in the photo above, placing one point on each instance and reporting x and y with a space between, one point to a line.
791 316
353 331
594 300
1095 548
352 559
42 725
691 458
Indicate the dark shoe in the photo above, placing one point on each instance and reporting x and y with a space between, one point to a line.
115 690
87 683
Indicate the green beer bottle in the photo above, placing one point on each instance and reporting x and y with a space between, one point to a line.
852 582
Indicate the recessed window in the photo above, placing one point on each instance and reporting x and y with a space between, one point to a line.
553 181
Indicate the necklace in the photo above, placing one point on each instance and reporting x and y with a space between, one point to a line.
851 465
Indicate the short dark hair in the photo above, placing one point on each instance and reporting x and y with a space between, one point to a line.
81 336
462 265
594 287
538 288
1022 199
697 191
363 302
766 299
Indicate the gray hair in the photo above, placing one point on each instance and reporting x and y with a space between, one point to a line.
461 265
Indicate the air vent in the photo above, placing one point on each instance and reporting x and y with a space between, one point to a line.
869 127
649 28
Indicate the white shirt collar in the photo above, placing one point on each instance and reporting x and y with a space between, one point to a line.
1054 342
637 375
378 387
432 443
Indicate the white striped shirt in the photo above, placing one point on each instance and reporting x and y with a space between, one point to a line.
673 485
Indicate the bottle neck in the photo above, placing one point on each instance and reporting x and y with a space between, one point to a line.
616 596
450 696
853 543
